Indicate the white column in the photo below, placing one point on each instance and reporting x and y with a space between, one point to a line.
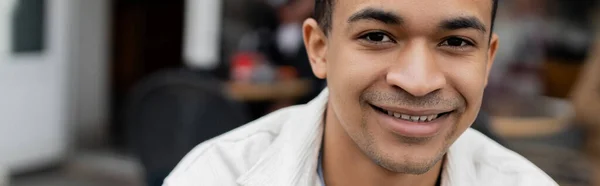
202 33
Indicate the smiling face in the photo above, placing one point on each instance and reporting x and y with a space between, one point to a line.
405 78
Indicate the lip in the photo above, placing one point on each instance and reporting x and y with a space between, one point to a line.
414 112
412 129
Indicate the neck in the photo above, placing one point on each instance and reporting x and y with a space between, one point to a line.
345 164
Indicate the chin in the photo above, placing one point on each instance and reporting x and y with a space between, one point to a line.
407 158
410 164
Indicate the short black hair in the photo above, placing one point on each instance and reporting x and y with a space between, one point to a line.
324 9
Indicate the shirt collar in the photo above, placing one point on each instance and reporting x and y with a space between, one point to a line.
459 168
320 168
292 157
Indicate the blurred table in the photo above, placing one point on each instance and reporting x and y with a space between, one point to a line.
566 166
527 116
539 128
279 90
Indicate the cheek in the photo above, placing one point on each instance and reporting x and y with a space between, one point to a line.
349 73
468 79
352 71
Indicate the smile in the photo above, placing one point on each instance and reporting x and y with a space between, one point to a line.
412 118
415 123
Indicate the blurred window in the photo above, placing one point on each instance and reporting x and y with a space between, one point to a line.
28 26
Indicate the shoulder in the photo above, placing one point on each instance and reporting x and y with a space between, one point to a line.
224 158
496 164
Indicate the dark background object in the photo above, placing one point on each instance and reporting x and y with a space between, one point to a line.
28 26
171 112
147 37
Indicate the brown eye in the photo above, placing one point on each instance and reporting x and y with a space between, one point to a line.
377 37
456 42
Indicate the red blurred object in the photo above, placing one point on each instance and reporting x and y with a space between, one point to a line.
243 65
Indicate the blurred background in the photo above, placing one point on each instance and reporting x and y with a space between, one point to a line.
116 92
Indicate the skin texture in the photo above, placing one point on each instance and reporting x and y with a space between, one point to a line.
413 64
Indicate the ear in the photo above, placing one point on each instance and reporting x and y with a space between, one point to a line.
493 48
315 42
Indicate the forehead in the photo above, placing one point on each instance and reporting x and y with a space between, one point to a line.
421 11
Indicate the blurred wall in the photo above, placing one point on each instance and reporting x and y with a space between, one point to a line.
33 97
6 9
57 98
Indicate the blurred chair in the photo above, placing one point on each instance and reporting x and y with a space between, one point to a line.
171 112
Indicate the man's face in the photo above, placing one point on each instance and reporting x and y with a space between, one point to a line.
406 77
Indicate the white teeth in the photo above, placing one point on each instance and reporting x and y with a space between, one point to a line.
429 118
414 118
406 117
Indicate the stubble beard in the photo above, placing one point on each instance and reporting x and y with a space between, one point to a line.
404 165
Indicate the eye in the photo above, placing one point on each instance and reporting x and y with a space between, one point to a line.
376 37
456 42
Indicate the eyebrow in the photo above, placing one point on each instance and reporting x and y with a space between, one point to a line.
377 15
463 23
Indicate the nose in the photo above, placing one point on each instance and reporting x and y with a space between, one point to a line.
416 71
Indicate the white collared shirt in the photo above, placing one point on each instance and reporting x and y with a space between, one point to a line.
282 149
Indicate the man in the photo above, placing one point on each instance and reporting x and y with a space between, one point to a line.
405 82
